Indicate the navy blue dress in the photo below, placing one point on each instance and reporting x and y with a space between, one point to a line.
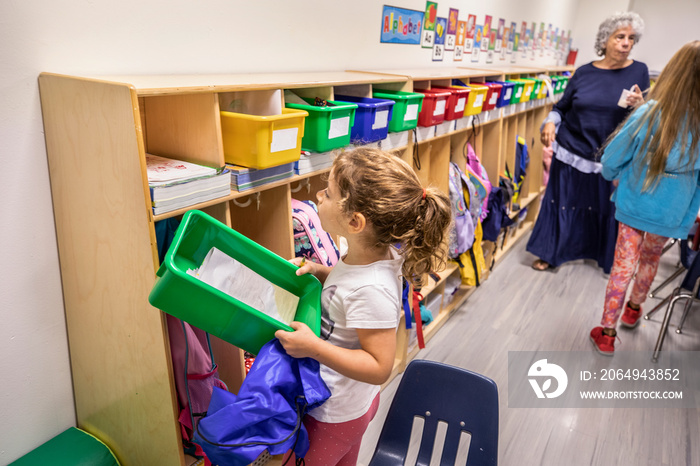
577 219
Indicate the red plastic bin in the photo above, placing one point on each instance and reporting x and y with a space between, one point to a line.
434 106
456 103
492 96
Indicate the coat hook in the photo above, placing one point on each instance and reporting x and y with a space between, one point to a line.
302 183
249 201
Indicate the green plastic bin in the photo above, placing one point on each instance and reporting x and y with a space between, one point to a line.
326 128
518 91
564 82
200 304
407 106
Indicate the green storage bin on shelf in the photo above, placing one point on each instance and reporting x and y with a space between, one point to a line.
556 84
564 82
407 106
518 91
537 92
188 298
326 128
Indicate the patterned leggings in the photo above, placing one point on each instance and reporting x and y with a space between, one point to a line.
633 247
336 443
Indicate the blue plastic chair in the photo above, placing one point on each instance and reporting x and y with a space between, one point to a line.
442 396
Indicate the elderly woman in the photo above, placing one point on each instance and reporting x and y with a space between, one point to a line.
577 219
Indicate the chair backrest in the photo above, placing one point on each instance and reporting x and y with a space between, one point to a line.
442 396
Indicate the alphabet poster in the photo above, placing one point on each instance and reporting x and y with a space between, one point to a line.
440 33
428 37
451 36
401 26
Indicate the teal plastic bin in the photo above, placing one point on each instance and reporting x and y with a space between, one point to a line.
326 128
204 306
407 107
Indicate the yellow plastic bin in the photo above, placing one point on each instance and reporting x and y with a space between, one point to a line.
528 86
262 141
476 98
186 297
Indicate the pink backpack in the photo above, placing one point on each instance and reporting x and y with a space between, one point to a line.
477 170
195 376
310 239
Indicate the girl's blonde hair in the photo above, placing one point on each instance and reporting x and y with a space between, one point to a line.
386 190
676 112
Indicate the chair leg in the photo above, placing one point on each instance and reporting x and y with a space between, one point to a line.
687 306
673 276
664 324
659 306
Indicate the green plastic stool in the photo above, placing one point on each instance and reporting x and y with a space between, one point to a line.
73 447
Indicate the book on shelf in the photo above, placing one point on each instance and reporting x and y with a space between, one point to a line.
243 178
174 184
313 161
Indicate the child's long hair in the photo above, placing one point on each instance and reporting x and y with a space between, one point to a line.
677 111
386 190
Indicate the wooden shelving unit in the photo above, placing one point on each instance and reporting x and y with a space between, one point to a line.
98 130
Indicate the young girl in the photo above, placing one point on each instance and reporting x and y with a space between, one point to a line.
654 158
376 202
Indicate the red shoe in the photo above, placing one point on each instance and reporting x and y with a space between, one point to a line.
603 343
631 317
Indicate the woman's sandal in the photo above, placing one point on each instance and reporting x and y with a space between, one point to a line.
541 265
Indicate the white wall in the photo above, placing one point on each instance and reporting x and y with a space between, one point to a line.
141 37
669 25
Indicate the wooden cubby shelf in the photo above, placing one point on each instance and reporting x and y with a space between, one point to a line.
98 130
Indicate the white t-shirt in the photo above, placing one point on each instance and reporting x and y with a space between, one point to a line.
356 296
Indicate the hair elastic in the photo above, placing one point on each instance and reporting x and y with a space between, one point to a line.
424 193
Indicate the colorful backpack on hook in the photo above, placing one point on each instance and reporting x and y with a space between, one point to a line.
462 232
310 240
479 178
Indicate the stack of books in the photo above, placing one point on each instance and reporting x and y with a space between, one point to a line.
175 184
313 161
243 178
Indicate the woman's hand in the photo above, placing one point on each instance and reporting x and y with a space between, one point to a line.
635 97
548 133
301 343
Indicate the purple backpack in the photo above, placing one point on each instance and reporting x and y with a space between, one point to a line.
310 239
462 232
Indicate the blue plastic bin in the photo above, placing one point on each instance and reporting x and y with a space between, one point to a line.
506 93
372 118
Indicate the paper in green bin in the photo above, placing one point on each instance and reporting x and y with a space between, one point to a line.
235 279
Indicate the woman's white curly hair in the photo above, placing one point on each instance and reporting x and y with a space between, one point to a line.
615 22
